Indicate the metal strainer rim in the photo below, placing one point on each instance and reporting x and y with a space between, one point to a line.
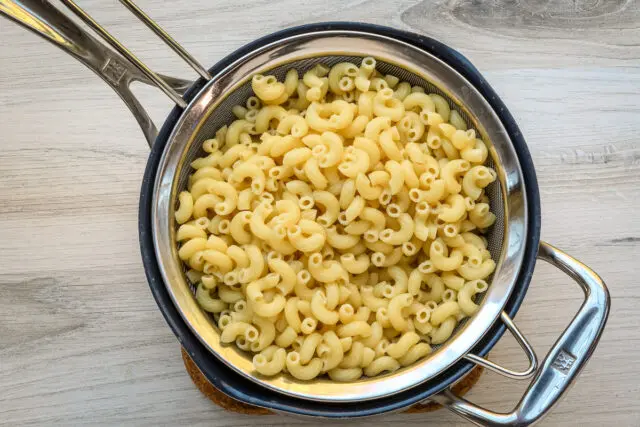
164 193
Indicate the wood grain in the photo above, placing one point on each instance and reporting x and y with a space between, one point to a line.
81 339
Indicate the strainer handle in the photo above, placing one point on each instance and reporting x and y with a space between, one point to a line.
116 66
564 361
526 346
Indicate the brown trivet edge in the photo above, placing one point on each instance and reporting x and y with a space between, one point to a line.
230 404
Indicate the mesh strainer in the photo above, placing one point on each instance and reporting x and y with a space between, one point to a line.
209 107
508 195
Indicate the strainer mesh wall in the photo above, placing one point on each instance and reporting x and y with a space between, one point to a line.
222 115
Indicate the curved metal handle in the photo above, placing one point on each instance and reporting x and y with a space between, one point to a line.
118 70
524 344
564 361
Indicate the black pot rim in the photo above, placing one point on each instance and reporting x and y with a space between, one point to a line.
241 388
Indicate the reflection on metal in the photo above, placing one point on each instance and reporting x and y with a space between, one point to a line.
177 48
509 373
118 70
113 42
565 360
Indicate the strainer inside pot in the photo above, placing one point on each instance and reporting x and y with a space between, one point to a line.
188 124
211 109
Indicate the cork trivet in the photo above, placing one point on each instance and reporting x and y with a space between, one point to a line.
230 404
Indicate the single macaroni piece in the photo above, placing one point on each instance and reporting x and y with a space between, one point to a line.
321 311
397 320
255 290
405 342
453 210
388 141
416 352
355 328
335 226
482 271
212 305
386 105
307 236
476 154
331 207
381 364
309 346
466 294
345 374
267 88
450 173
444 331
481 215
267 333
404 234
443 311
441 258
233 330
476 179
419 101
300 371
270 367
400 281
341 77
355 264
184 212
335 352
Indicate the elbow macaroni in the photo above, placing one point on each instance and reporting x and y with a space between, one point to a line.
335 226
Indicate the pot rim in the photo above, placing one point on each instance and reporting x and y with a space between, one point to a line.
242 389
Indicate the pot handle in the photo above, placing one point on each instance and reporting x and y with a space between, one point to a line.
117 66
564 361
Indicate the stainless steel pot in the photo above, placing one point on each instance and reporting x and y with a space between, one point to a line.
206 106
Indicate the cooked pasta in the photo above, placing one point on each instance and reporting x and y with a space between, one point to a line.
335 227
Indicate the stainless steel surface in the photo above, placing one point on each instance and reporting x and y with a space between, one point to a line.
564 361
45 20
211 108
107 37
177 48
531 354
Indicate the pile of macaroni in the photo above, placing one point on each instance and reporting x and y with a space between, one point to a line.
336 226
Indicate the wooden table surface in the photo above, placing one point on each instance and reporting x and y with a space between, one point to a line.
81 339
